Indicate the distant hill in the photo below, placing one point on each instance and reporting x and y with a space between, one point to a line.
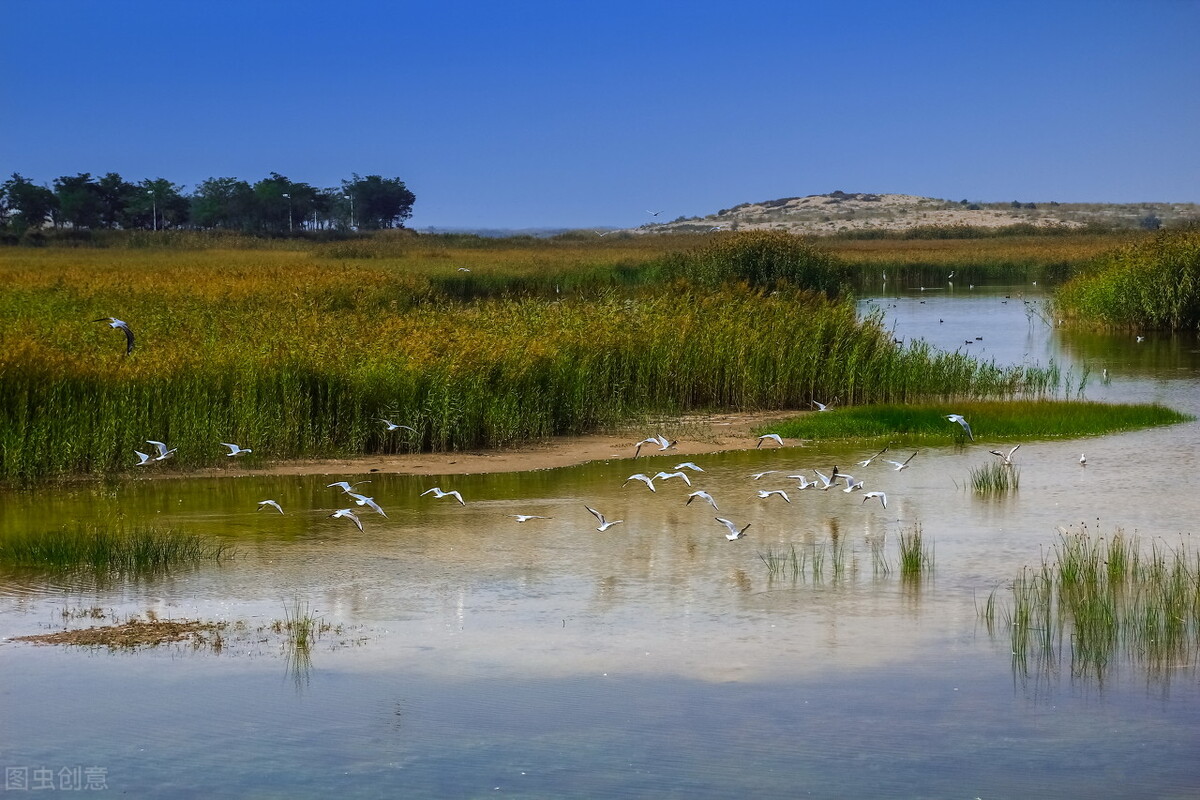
839 212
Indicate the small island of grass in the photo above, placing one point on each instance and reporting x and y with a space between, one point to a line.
990 420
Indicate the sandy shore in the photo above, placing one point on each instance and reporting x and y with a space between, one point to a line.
696 435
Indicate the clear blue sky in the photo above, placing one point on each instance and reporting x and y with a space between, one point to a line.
566 113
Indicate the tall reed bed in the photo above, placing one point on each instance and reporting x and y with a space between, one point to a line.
928 262
296 356
1147 285
1100 597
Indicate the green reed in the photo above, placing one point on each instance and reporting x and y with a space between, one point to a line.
1104 596
785 562
916 554
137 550
995 478
283 353
1153 284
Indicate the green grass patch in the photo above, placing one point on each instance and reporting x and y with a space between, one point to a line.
135 551
989 420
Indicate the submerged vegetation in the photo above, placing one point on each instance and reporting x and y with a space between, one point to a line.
139 550
1147 285
990 420
1095 598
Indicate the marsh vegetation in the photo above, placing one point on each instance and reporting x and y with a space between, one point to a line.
108 549
298 353
1095 599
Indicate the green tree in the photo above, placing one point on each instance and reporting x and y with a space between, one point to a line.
223 203
116 196
379 202
79 200
167 205
30 205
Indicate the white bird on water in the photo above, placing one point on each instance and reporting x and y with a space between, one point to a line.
437 492
773 436
604 524
703 496
163 452
764 494
1006 460
734 533
347 513
235 450
961 421
264 503
643 478
1083 460
113 322
882 497
527 517
667 475
899 465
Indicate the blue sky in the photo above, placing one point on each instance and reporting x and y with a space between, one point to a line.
563 114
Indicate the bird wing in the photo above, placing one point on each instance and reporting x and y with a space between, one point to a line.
732 528
457 497
595 514
128 338
162 448
430 491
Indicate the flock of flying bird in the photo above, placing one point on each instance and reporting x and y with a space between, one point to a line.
844 482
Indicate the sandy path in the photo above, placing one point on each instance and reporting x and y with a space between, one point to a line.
696 435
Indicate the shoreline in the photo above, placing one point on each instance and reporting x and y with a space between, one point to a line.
696 434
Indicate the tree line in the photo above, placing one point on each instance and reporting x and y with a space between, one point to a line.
274 206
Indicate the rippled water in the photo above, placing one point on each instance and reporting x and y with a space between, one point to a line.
480 656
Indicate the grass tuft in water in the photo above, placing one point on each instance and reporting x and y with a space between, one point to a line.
994 478
916 555
1105 596
138 550
300 627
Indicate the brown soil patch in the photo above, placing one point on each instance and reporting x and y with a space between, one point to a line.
696 435
134 633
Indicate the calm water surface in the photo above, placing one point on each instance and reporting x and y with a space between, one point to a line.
477 656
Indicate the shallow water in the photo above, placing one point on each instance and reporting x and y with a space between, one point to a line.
480 656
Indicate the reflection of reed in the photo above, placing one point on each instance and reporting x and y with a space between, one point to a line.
298 666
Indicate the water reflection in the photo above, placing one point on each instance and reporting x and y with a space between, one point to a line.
574 653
